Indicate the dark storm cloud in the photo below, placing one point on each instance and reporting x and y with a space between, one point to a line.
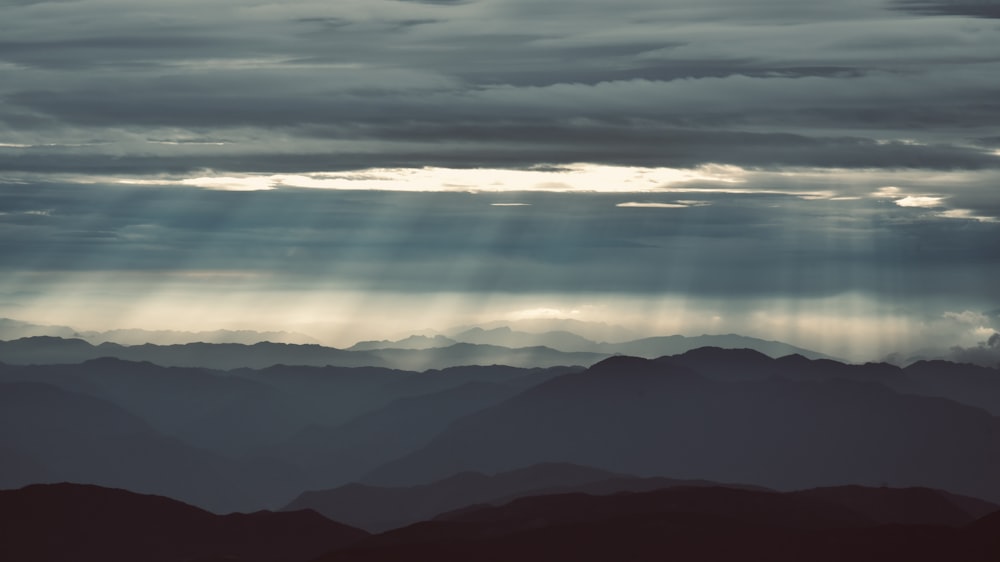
974 8
119 52
492 82
512 147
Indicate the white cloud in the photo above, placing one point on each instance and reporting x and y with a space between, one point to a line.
923 201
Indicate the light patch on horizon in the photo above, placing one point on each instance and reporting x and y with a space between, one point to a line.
850 326
967 215
542 313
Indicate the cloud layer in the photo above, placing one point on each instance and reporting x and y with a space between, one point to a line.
105 86
713 149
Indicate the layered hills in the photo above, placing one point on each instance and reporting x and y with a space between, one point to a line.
72 522
253 438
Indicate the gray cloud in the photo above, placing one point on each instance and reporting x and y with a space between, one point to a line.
781 84
836 115
975 8
780 245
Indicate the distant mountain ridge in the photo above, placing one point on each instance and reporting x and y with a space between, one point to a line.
40 350
15 329
650 347
471 345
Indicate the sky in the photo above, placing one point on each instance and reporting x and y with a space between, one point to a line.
824 173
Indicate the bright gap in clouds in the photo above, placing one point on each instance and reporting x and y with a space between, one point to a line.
589 178
343 267
914 189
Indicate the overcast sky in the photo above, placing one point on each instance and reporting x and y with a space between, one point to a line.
821 172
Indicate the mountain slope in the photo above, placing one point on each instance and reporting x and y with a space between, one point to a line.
65 522
225 356
55 436
647 417
377 508
346 452
691 524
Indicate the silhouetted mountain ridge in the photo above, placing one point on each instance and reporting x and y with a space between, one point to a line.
64 522
377 508
692 524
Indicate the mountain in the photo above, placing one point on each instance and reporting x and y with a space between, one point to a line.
482 354
969 384
504 336
646 417
651 348
905 506
411 342
48 350
594 331
348 451
421 406
54 435
379 508
375 508
225 356
15 329
692 524
324 426
64 522
205 408
176 337
569 342
962 382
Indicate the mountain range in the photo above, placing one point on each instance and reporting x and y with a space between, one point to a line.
700 524
73 522
69 522
820 460
781 423
665 417
378 508
15 329
472 346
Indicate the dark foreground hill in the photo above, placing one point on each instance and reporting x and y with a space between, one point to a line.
690 524
72 522
376 508
82 523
